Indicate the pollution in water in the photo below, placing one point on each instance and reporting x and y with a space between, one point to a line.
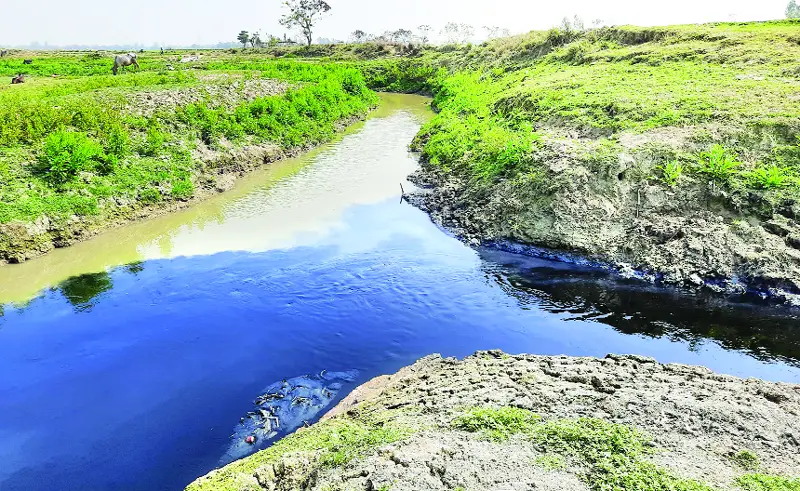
283 407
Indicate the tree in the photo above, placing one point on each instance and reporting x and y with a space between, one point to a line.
793 10
303 15
467 32
450 32
358 36
244 38
494 32
255 40
401 36
424 32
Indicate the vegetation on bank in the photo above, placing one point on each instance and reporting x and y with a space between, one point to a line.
329 443
733 86
610 456
80 147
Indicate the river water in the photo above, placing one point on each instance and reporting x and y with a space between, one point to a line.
127 361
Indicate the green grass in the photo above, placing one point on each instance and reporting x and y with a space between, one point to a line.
612 456
497 424
765 482
72 147
334 443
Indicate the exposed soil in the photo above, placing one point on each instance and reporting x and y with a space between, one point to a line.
697 420
617 216
218 91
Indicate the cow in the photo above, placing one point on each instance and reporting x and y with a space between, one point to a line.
27 62
3 53
125 60
19 79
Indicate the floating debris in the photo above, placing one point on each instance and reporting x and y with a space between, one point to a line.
282 408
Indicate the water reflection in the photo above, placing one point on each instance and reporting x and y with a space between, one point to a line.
766 332
282 205
82 291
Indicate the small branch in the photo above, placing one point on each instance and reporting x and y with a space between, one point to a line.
402 193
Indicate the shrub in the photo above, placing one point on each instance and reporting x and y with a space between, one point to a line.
67 153
746 460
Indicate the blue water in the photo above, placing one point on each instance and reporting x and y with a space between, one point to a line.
135 379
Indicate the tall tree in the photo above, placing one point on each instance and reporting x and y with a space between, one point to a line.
244 38
255 40
358 36
424 33
793 10
451 32
303 15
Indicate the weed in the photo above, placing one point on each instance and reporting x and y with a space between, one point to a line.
746 460
550 462
718 163
765 482
769 177
498 424
67 153
671 172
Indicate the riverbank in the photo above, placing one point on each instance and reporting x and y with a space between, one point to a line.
667 153
81 155
497 421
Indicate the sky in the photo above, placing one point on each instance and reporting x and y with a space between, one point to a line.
187 22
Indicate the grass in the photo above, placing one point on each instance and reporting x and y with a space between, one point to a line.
333 443
497 424
73 147
612 456
765 482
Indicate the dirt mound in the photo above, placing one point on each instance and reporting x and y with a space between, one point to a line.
498 422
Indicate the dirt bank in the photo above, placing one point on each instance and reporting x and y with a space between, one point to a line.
218 169
498 422
686 236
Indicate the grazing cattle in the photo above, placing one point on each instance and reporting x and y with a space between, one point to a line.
125 60
3 53
19 79
27 62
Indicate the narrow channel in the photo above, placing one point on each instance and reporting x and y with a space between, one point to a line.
127 361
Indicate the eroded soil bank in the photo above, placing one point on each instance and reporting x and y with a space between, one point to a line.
494 421
660 235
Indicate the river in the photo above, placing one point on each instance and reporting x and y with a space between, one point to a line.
127 361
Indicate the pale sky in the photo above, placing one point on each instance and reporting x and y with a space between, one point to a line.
186 22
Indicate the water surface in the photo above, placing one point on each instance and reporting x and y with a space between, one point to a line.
135 374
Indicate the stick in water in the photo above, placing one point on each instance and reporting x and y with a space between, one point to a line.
402 193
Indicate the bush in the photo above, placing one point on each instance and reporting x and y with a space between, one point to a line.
67 153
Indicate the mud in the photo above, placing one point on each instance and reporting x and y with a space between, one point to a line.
619 217
697 420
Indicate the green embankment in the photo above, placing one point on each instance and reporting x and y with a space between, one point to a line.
603 142
95 147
